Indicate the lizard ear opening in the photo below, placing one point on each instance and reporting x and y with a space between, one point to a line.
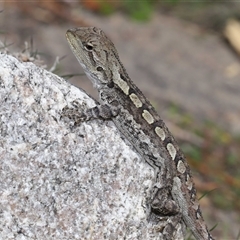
99 69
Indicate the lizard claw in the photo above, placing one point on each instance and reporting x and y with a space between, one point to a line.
75 112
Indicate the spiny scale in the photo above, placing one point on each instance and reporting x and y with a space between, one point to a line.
138 121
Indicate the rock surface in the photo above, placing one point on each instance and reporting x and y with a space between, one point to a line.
59 182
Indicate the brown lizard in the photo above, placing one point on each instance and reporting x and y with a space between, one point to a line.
174 194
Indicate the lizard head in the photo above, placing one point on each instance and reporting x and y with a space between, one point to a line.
96 54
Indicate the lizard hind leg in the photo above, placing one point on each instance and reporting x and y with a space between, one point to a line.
162 204
165 209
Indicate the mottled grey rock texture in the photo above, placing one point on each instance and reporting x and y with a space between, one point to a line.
59 182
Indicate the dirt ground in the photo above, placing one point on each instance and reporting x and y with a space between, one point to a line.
172 61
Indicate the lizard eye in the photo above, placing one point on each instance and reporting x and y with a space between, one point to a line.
88 47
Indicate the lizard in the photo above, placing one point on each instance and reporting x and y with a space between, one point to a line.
120 100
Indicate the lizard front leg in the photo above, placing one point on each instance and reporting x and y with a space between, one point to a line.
79 113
